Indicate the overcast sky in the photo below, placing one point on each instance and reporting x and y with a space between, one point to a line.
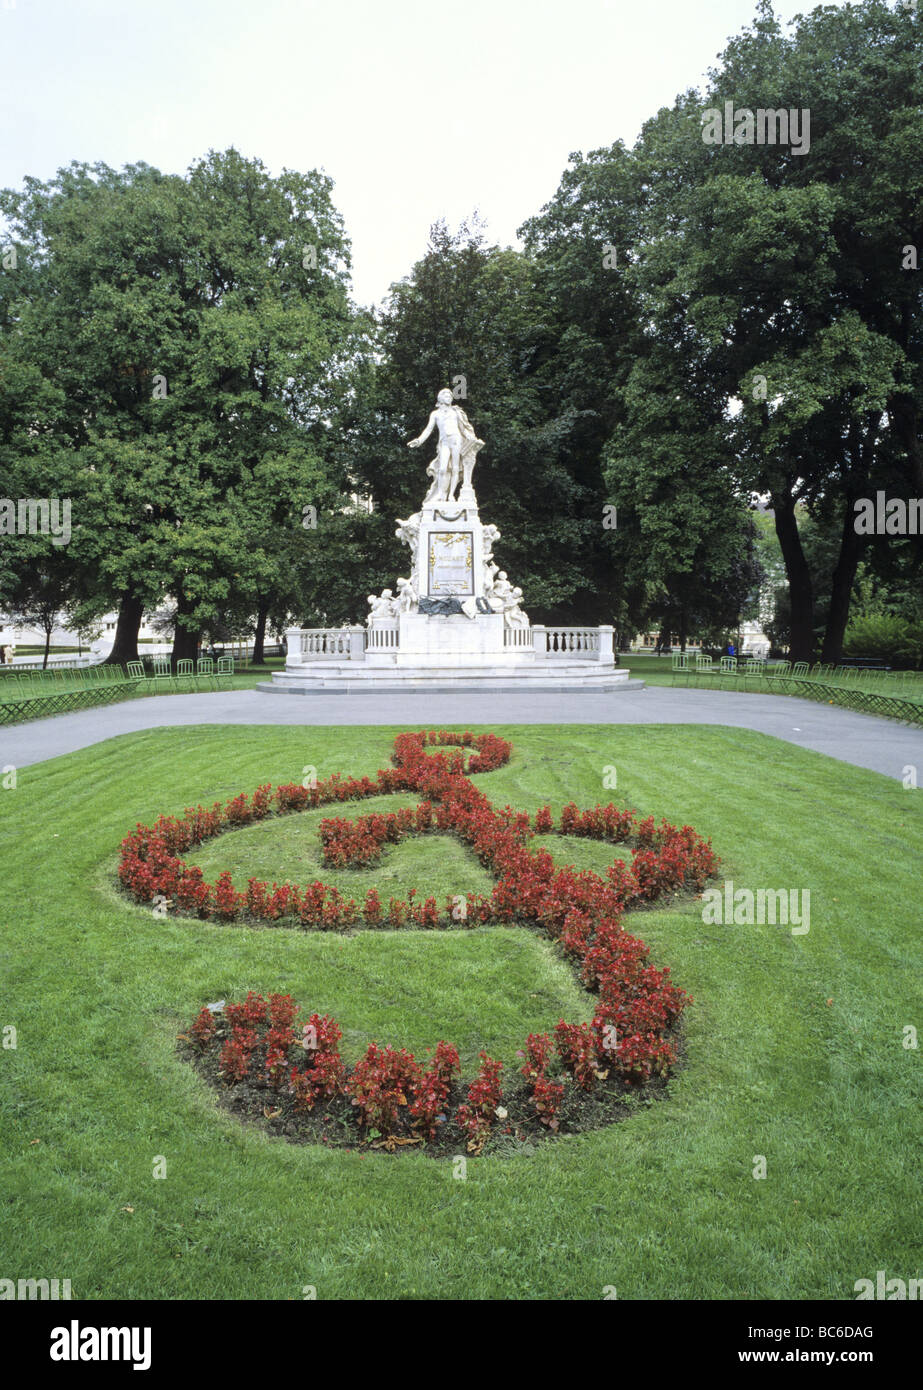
416 110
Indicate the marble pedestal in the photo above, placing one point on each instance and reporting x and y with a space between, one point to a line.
452 642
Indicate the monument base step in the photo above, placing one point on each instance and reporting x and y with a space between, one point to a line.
356 678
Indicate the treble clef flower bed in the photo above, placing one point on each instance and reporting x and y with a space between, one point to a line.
576 1075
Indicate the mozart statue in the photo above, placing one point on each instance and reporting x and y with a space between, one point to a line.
457 451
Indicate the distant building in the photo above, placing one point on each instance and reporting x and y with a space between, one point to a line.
96 642
753 641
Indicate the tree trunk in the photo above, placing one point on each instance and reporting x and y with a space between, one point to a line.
125 646
48 632
907 425
851 547
185 636
800 584
259 638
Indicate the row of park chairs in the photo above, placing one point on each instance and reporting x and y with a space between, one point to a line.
732 666
868 691
201 672
34 682
695 664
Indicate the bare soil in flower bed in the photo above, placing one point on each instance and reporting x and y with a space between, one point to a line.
334 1122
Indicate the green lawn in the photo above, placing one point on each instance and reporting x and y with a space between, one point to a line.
794 1047
645 666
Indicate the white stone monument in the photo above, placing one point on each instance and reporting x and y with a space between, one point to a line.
455 618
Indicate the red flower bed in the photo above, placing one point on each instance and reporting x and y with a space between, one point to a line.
432 1090
382 1082
638 1005
477 1115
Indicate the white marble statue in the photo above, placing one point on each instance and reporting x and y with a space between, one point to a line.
384 605
504 598
489 537
513 615
407 596
499 591
458 447
408 531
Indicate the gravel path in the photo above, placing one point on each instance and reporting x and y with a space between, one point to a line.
879 744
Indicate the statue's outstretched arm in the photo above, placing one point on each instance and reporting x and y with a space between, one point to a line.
422 438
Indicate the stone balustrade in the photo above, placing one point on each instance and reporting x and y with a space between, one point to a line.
585 643
316 643
383 635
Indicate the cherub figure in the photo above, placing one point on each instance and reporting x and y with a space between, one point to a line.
406 595
491 535
408 530
504 598
383 606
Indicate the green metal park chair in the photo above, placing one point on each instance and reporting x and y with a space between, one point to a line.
703 663
729 666
205 669
755 669
162 671
225 666
800 670
135 670
185 670
680 661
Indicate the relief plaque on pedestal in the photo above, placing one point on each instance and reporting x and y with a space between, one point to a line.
450 564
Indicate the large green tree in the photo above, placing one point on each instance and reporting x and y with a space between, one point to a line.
645 439
759 330
588 335
192 328
778 283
